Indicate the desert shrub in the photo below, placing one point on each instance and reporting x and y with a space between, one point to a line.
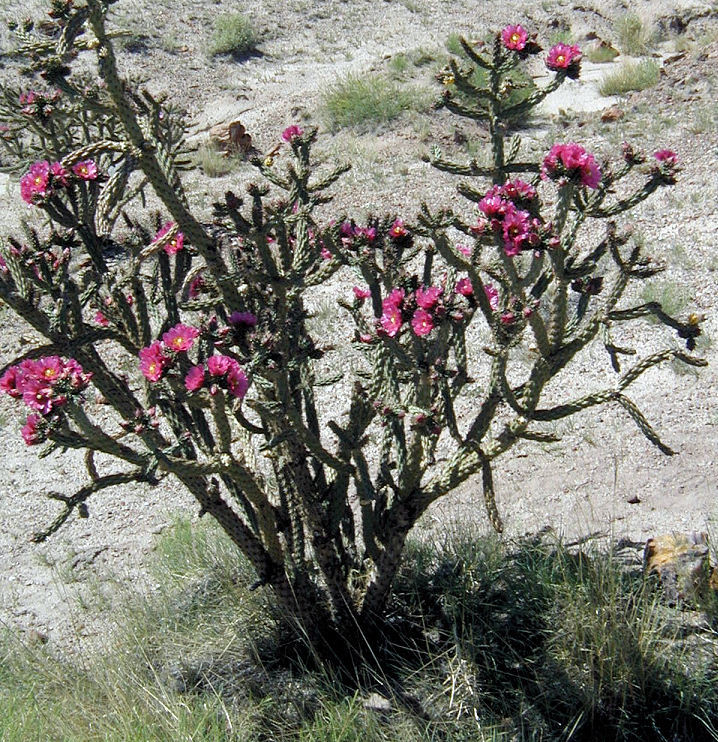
631 76
633 36
228 390
366 100
233 34
601 53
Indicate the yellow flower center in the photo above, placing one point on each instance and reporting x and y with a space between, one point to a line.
515 38
561 59
38 180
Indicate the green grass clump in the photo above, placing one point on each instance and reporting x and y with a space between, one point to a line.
233 34
214 163
633 36
631 76
362 101
601 53
489 641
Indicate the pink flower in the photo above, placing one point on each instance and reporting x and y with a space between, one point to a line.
101 319
11 382
398 230
49 368
291 132
194 379
518 190
219 365
564 57
464 287
507 318
153 361
35 181
492 295
361 293
30 432
39 395
516 226
59 173
391 320
394 299
514 38
195 287
180 338
465 250
426 298
571 161
173 244
85 170
246 319
669 157
422 322
237 381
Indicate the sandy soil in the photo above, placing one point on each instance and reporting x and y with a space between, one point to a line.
604 477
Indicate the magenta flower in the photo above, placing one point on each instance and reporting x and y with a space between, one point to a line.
85 170
514 38
49 368
464 287
398 230
194 379
517 190
40 396
153 361
516 227
101 319
422 322
246 319
668 156
219 365
291 132
11 382
361 293
492 295
564 57
394 299
31 432
59 173
391 320
196 285
426 298
35 182
465 250
237 381
180 338
173 244
571 161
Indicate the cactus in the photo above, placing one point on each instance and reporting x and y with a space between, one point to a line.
226 396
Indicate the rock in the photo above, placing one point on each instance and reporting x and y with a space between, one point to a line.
613 113
682 563
231 137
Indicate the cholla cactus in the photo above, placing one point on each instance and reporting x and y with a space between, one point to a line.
225 396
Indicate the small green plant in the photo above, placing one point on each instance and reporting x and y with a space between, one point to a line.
601 53
363 101
212 161
672 296
633 36
233 34
631 76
